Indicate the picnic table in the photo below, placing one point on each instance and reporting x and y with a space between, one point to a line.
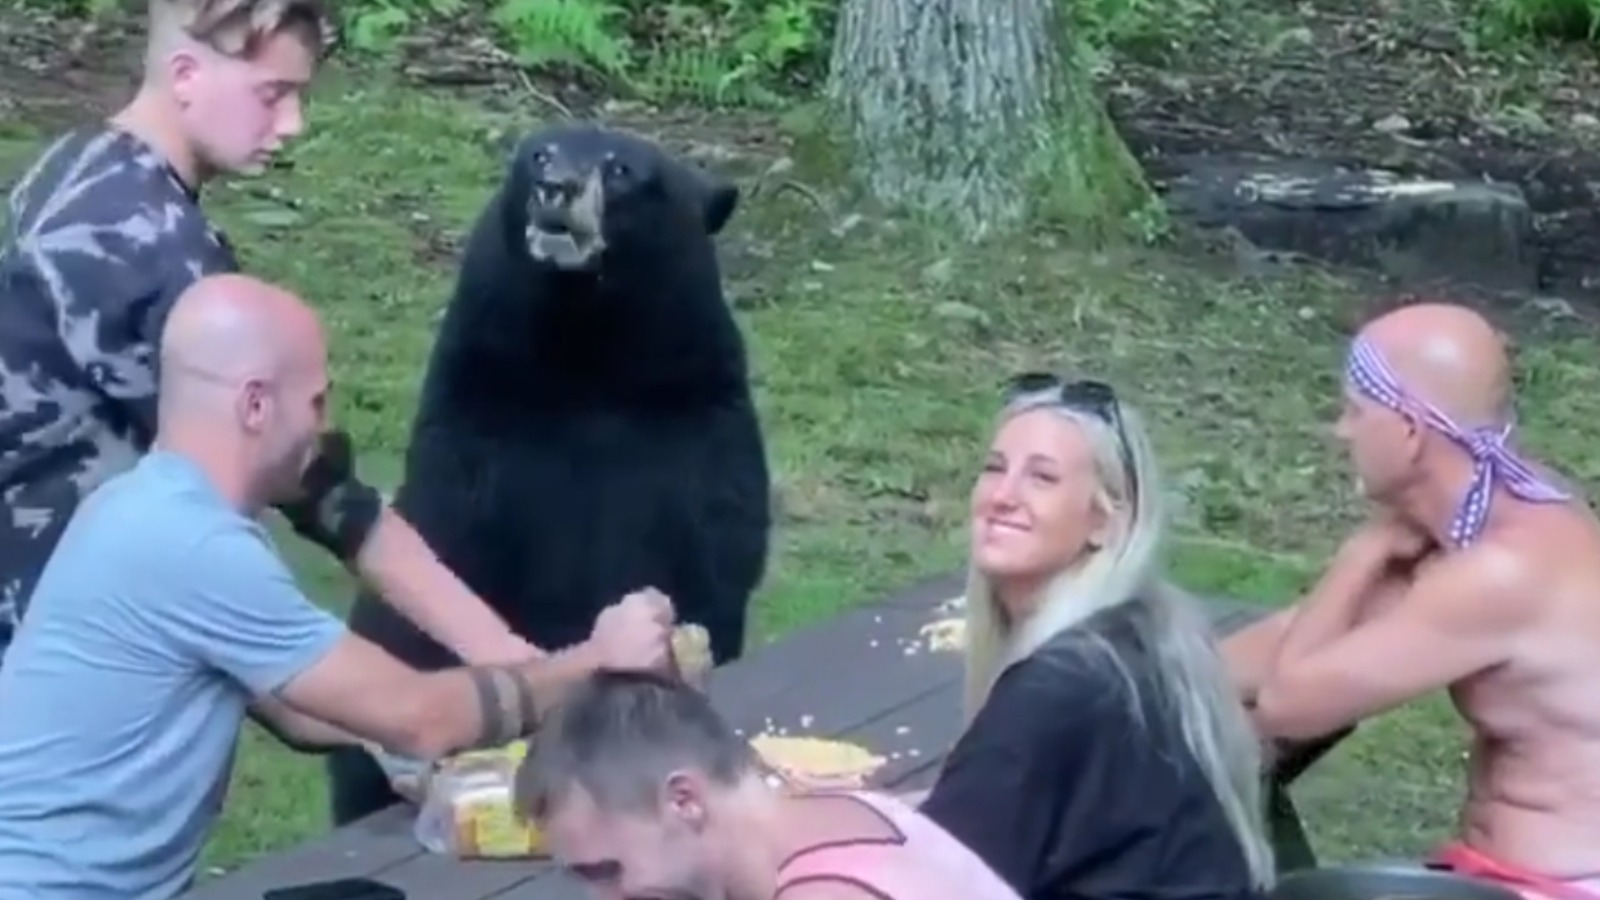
868 675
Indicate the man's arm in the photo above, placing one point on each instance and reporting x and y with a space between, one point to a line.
1334 606
350 519
242 614
405 571
359 688
1251 652
305 734
1457 620
298 731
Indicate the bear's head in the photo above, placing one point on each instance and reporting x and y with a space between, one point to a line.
580 189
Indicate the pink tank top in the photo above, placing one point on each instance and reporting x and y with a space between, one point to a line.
921 861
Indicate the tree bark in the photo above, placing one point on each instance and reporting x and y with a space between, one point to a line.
976 110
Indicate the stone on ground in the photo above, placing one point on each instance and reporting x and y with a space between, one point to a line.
1416 231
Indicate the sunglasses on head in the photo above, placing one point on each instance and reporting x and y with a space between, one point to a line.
1096 398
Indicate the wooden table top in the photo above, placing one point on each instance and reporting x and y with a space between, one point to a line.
867 675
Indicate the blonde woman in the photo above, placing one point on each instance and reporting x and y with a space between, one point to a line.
1106 752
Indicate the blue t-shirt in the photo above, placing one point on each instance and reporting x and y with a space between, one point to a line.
162 613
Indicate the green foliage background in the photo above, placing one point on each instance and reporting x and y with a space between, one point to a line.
753 52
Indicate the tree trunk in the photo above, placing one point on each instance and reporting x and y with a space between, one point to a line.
976 110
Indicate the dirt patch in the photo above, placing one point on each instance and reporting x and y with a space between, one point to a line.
57 74
1386 85
438 248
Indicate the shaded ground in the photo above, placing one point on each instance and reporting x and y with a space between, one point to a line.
53 73
877 353
1392 85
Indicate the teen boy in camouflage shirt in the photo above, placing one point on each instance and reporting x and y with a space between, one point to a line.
105 231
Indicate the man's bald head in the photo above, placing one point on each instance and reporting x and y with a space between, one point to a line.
227 330
1449 356
244 384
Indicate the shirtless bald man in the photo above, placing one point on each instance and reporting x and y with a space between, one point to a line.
1476 574
164 615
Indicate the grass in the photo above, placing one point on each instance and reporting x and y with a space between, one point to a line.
877 356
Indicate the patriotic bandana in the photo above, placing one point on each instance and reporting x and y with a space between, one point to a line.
1493 461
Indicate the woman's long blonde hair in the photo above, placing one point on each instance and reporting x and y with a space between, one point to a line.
1126 573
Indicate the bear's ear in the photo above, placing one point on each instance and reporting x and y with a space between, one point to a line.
721 199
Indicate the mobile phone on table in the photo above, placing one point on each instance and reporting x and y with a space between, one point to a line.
337 889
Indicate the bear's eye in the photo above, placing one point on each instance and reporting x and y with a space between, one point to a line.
540 157
616 168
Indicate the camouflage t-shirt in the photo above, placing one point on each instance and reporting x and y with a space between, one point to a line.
101 239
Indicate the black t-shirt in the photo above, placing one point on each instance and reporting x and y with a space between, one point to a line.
1066 794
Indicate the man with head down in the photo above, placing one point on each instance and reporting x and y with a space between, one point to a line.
105 231
1477 573
642 790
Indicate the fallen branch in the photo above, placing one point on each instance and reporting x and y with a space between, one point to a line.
806 192
543 97
779 166
453 77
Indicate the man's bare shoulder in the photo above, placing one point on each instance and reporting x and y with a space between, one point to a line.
1496 583
1551 559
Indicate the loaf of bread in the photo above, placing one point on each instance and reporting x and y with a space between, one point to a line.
486 827
468 812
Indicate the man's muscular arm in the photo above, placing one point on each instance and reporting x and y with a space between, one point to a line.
1251 652
296 730
357 687
1334 606
1458 619
1330 609
350 519
361 690
242 614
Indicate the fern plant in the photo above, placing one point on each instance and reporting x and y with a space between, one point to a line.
373 25
576 32
701 74
1570 20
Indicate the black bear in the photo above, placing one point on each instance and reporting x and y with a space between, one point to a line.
586 426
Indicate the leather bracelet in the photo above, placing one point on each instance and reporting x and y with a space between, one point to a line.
506 704
491 719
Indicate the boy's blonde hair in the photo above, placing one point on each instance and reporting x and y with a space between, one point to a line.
237 28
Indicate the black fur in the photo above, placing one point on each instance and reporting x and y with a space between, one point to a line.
584 432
